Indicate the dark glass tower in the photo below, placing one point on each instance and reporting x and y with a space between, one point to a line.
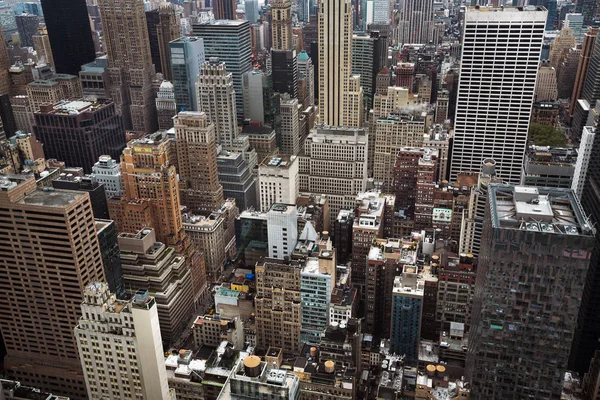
70 34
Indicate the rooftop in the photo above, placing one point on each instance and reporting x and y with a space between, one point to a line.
279 161
73 107
48 197
283 208
548 210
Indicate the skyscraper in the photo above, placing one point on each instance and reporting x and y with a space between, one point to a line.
166 108
45 268
306 80
251 8
27 25
130 62
70 34
41 44
229 41
216 97
284 71
335 59
187 57
4 66
414 23
524 320
485 124
281 28
588 8
78 132
290 131
224 9
582 68
197 160
167 30
114 335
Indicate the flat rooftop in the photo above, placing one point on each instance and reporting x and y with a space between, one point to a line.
548 210
280 161
74 107
47 197
283 208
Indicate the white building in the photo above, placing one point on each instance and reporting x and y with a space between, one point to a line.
290 129
381 12
282 230
278 181
334 163
496 91
108 172
120 346
316 282
254 83
216 97
583 159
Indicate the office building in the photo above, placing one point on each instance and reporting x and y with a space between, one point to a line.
45 288
317 280
306 80
53 90
208 234
166 107
130 63
549 167
111 256
281 25
584 154
364 63
252 375
560 46
335 59
229 41
158 268
120 346
354 106
187 57
108 172
566 73
407 312
78 132
167 30
523 228
282 230
546 88
588 9
340 179
415 22
217 98
290 129
70 34
575 21
587 48
27 26
197 162
278 181
87 184
152 22
237 178
482 128
284 71
278 304
5 80
251 8
259 85
211 330
224 9
252 240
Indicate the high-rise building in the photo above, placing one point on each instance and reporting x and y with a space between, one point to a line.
70 34
365 65
340 179
407 312
587 48
278 304
524 226
41 44
335 59
27 26
237 178
259 85
251 8
282 229
353 114
284 71
108 172
167 31
546 87
575 21
483 126
584 155
111 256
560 46
281 28
229 41
290 130
187 57
4 66
217 98
120 346
196 143
45 288
278 181
166 107
78 131
208 234
154 266
414 22
224 9
130 62
306 81
588 9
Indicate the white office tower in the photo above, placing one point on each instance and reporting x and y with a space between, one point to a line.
415 21
583 159
500 58
278 181
216 97
335 59
282 230
108 172
120 346
381 12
